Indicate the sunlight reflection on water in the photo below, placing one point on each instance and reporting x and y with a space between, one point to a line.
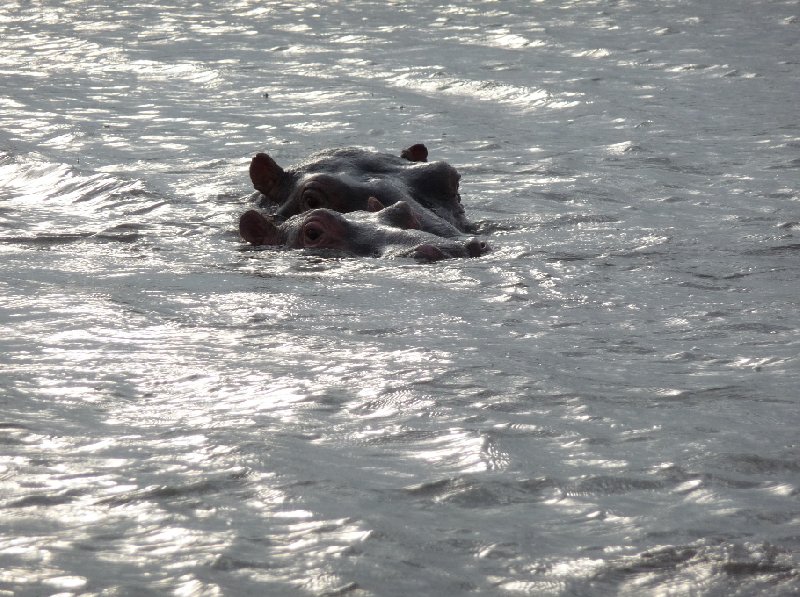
605 403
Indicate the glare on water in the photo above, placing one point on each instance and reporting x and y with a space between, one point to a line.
604 404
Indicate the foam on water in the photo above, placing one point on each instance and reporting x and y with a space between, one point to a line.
604 404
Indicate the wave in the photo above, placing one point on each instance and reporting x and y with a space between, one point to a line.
30 179
524 97
49 204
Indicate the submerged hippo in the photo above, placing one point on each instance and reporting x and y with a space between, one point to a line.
345 180
383 232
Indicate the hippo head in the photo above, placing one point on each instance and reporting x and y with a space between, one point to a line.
383 232
345 179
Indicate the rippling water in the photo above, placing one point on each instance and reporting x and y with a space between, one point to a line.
605 404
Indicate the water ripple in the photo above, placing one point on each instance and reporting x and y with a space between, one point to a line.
605 404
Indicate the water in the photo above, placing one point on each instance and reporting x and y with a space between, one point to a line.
605 404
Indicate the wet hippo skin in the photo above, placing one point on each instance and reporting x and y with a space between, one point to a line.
386 232
345 180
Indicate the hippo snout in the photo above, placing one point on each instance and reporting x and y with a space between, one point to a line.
476 247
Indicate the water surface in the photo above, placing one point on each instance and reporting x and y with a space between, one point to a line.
605 404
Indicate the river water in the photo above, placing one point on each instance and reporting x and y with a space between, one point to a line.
607 403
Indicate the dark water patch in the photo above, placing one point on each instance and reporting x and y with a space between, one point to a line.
405 436
575 219
714 393
500 66
575 353
569 257
638 253
678 475
754 464
149 208
35 501
721 276
758 327
487 227
729 568
556 196
630 347
477 492
57 239
125 227
528 431
47 239
789 249
229 564
667 163
691 356
13 434
381 332
747 568
791 165
484 147
171 493
505 407
14 426
118 238
608 485
736 276
699 286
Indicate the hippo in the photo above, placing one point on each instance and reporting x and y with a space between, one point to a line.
379 232
346 180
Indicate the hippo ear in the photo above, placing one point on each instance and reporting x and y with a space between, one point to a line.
415 153
400 215
258 230
266 174
373 204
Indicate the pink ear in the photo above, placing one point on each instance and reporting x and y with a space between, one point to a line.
258 230
416 153
265 174
374 205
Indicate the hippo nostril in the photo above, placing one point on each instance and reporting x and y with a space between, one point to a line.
476 247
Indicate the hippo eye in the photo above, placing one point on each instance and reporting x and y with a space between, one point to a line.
312 232
313 199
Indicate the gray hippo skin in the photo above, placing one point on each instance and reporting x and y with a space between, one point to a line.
382 232
345 180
